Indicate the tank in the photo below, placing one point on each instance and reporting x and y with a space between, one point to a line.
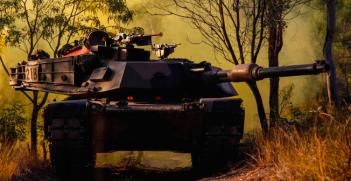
119 99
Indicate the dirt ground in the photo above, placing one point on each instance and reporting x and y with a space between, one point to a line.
241 174
154 174
38 175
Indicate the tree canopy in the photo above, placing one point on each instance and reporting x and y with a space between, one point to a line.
57 22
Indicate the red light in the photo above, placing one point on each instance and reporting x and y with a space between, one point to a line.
130 97
158 98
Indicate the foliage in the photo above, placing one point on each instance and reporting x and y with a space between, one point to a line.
284 96
289 115
12 124
317 149
76 17
6 17
56 21
17 161
6 8
27 37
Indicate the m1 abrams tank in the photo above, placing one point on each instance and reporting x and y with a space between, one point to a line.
119 99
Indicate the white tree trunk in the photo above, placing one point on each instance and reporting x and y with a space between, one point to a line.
328 56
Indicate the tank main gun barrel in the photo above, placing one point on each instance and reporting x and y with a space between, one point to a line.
253 72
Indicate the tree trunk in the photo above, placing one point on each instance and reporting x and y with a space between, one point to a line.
347 82
260 108
328 56
34 124
273 101
274 82
35 111
57 45
275 43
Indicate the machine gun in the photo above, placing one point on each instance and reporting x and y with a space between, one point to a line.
97 37
139 39
163 50
102 45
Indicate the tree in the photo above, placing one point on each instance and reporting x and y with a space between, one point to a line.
53 21
277 11
35 110
275 44
328 56
73 17
337 26
236 29
26 39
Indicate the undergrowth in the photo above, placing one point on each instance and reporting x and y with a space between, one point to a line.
16 161
317 148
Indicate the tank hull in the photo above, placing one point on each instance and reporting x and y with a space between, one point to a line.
206 127
145 127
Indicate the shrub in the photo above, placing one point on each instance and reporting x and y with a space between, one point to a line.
12 124
317 149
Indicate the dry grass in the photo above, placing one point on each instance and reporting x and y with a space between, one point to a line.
16 161
319 150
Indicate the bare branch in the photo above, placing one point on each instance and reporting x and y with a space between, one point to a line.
230 48
36 17
43 100
261 32
49 43
3 65
27 18
85 8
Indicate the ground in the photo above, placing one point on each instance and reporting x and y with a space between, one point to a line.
152 166
184 173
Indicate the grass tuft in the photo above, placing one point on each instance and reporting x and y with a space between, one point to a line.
319 149
16 161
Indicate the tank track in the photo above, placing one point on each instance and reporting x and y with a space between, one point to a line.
69 153
215 152
218 147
